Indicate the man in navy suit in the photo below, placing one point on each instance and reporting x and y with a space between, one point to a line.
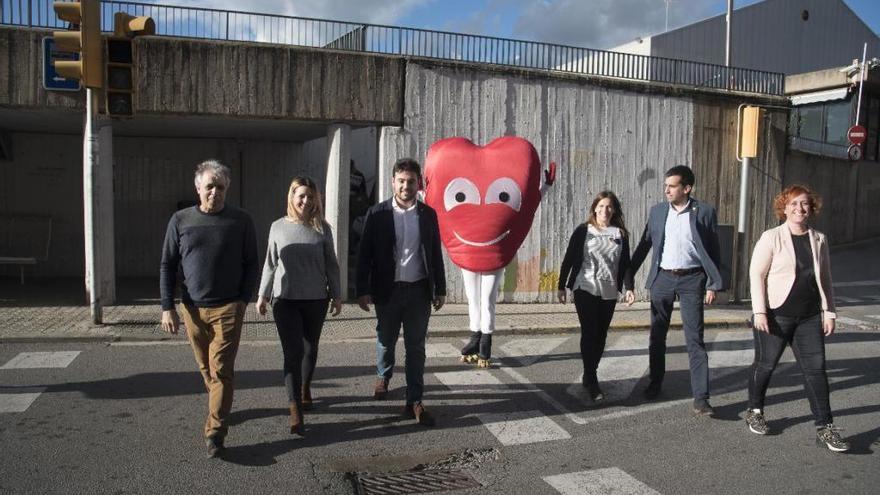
683 233
400 270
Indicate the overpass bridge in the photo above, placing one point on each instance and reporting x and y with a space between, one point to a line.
275 96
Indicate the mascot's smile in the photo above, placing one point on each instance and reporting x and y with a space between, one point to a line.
481 244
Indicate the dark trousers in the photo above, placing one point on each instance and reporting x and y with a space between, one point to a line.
808 344
299 323
594 314
690 290
410 308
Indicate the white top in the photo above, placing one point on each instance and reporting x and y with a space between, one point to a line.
408 266
598 272
679 250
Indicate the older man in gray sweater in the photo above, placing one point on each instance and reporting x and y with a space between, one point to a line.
216 246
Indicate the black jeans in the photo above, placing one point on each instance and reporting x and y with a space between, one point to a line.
299 323
690 289
807 341
594 314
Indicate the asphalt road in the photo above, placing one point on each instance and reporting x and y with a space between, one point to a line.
126 418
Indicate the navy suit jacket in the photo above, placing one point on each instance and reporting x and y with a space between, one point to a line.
704 229
376 264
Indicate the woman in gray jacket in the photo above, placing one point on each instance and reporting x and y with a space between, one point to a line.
300 276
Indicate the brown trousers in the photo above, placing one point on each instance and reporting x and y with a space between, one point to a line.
214 334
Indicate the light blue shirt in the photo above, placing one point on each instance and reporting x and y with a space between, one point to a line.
679 250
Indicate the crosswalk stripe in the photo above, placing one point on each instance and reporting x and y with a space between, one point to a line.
730 352
467 381
521 427
599 482
20 400
847 299
61 359
529 351
441 351
852 321
858 283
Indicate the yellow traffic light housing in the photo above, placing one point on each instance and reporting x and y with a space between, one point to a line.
751 129
86 14
128 26
120 86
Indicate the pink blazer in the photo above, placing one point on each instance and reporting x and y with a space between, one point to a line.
772 270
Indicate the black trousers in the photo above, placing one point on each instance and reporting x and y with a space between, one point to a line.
299 323
594 314
807 341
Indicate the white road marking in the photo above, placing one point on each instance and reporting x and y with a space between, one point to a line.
19 401
529 351
61 359
599 482
859 283
470 381
730 352
846 299
618 375
852 321
441 351
520 427
876 317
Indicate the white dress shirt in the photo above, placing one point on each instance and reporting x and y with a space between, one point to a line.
679 250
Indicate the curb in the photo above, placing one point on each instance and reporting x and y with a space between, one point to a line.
438 332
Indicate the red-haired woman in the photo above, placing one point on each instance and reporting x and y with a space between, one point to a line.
593 268
793 304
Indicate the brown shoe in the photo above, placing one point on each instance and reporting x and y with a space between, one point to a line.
296 420
306 397
421 415
380 391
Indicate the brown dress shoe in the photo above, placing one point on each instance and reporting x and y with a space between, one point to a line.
381 389
306 397
421 415
296 420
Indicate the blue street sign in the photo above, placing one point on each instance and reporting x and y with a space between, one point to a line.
51 80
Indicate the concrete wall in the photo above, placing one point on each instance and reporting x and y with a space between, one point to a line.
850 192
151 176
21 76
619 137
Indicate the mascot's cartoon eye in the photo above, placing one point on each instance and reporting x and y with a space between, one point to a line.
460 191
505 191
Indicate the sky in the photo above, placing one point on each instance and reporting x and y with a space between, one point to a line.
586 23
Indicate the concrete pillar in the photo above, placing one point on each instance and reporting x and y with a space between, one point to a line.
394 143
336 192
106 234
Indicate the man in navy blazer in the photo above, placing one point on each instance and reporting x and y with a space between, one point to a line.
400 270
683 234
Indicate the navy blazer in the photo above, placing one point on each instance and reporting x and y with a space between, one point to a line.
574 258
376 264
704 229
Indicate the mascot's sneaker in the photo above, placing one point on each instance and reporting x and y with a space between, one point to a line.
469 359
483 363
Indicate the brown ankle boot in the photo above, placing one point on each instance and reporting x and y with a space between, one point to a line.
296 420
306 397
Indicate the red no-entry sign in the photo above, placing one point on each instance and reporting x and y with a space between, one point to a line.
857 134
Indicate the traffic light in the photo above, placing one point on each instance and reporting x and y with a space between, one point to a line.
120 62
86 15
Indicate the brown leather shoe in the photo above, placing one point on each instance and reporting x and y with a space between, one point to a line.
296 420
306 397
421 415
380 391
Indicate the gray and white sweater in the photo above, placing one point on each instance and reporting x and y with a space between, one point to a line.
300 263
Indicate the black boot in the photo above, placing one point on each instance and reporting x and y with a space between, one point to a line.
469 351
485 350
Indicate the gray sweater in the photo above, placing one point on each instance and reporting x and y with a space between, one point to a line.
218 254
300 263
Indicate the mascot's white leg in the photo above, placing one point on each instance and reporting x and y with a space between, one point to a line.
472 288
481 289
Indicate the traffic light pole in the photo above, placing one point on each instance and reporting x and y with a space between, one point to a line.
90 199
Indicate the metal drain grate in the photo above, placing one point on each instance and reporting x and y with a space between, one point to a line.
414 482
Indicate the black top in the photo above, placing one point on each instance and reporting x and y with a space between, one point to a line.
375 264
803 300
218 254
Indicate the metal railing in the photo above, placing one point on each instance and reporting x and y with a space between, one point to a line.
215 24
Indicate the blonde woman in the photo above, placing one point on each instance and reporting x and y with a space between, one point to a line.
793 305
300 275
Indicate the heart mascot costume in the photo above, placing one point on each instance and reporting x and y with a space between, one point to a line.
485 198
